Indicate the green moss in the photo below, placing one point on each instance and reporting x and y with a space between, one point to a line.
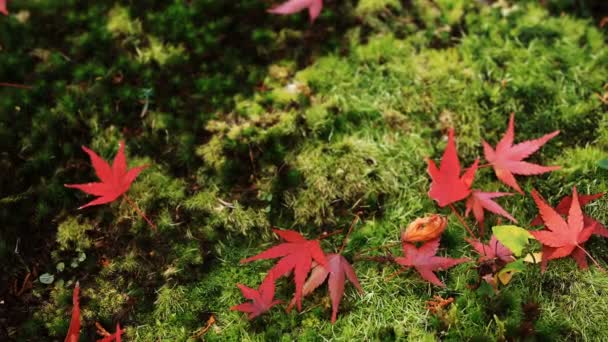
120 22
72 235
367 7
158 52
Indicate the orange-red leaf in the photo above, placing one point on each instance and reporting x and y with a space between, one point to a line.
74 330
115 337
296 255
447 186
423 259
262 300
338 269
507 159
562 238
115 179
480 201
564 205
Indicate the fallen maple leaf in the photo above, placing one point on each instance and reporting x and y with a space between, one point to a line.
494 249
262 300
446 184
116 336
74 329
478 201
115 180
423 259
297 254
562 238
565 203
293 6
338 269
507 158
3 8
425 228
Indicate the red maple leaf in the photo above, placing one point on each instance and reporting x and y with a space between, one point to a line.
116 336
478 201
562 238
423 259
297 254
338 269
507 158
564 205
74 330
3 9
115 180
446 184
262 300
293 6
492 250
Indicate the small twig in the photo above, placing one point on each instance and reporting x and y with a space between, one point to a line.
144 110
592 259
26 285
350 229
392 244
136 208
461 219
403 269
326 235
379 259
482 166
101 330
15 85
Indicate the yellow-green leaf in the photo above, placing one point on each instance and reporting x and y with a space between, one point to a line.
513 237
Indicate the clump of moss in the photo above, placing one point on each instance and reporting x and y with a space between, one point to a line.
72 235
348 173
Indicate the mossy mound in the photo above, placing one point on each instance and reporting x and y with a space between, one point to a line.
250 121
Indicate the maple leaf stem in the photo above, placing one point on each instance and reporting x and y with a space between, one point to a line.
403 269
136 208
101 330
592 259
380 259
480 166
14 85
326 235
392 244
462 221
350 229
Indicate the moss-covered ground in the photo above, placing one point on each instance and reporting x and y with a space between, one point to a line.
250 121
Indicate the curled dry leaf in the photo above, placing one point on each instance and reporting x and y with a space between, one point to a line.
425 228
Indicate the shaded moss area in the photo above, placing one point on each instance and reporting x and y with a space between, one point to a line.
250 121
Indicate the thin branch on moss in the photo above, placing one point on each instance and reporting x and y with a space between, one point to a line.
15 85
350 229
389 245
136 208
461 219
592 259
326 235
